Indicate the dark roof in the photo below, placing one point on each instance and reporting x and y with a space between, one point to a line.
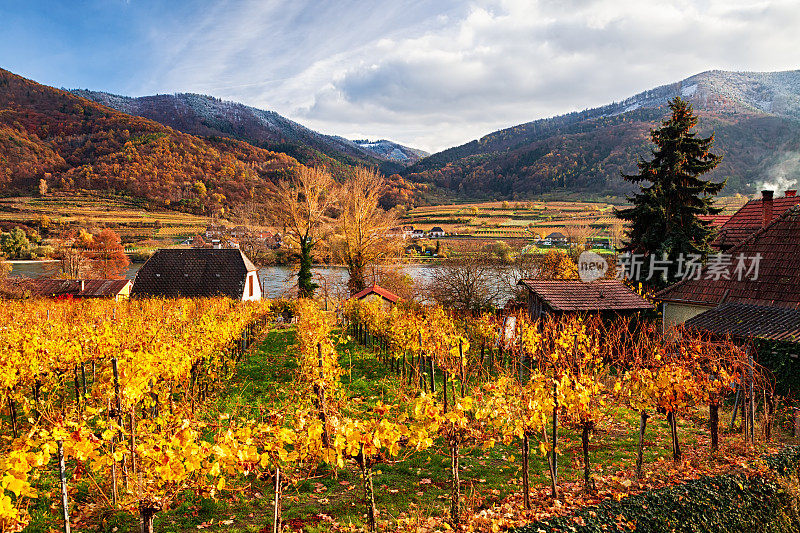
53 287
749 219
556 235
380 291
437 229
744 320
576 295
194 272
778 282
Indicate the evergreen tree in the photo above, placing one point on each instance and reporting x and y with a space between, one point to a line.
664 218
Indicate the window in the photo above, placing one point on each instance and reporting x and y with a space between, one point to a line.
250 283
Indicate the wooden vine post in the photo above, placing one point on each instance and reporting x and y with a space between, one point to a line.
369 491
319 391
62 474
455 494
276 514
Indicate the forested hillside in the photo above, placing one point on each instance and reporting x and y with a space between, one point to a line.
754 117
72 143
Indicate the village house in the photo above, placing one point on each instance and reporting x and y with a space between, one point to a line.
436 232
755 289
377 293
408 231
417 234
558 297
198 273
118 289
753 216
555 238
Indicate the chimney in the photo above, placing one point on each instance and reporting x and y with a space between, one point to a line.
791 193
766 203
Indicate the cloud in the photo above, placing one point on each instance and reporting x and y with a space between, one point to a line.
433 74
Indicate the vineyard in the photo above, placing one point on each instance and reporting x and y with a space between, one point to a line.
402 419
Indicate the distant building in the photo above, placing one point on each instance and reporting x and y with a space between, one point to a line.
417 234
558 297
408 232
436 232
117 289
376 292
555 238
196 273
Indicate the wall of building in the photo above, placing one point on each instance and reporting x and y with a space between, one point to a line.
252 278
678 313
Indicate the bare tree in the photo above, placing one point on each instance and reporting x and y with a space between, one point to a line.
363 226
466 283
302 208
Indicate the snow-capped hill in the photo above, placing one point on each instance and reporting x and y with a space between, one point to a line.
207 116
392 150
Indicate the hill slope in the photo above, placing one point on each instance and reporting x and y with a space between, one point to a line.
755 118
73 143
206 116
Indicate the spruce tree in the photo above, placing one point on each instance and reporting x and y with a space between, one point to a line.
664 218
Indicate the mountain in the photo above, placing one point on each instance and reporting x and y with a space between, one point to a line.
755 117
207 116
73 143
393 151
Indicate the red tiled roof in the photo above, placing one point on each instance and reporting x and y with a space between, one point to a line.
749 219
380 291
778 282
715 220
51 287
743 320
575 295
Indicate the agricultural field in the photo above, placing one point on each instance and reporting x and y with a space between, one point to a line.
524 220
193 415
133 220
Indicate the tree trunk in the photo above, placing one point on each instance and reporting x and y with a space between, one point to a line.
455 495
643 416
676 447
770 414
356 282
713 422
305 285
526 489
369 491
588 482
554 451
147 511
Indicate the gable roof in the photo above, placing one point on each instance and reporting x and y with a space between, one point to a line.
556 235
749 219
576 295
53 287
745 320
194 272
380 291
437 229
778 282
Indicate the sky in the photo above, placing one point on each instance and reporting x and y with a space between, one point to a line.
427 73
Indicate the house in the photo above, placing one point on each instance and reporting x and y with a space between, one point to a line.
238 232
753 216
555 238
197 273
378 293
417 234
118 289
759 275
606 296
436 232
408 231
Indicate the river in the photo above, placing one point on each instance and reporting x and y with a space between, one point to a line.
277 281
